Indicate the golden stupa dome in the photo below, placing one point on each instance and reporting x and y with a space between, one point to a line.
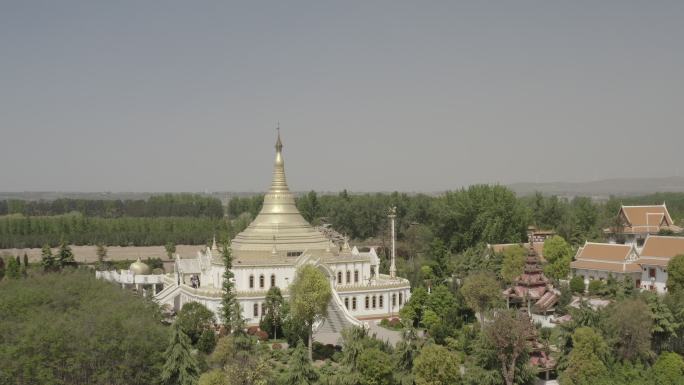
279 228
139 268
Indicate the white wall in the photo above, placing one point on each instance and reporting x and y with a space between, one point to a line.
660 282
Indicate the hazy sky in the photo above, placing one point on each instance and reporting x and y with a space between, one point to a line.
370 95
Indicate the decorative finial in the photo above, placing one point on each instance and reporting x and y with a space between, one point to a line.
279 143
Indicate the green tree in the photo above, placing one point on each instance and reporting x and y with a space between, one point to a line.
586 362
668 369
507 333
180 367
101 252
413 309
299 368
309 297
559 255
436 365
194 319
675 274
48 260
577 284
513 262
13 269
2 268
375 367
72 328
630 323
230 309
272 320
65 257
170 248
26 262
439 253
481 292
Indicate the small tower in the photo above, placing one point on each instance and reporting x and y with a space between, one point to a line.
393 267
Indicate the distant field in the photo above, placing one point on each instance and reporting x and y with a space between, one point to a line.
86 254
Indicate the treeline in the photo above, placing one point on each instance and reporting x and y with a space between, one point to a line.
76 229
460 219
167 205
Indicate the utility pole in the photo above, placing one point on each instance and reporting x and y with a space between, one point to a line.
392 216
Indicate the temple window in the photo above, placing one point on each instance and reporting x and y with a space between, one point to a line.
339 277
251 282
353 303
367 302
346 303
348 276
380 304
372 271
261 281
273 282
394 300
400 299
256 309
262 309
356 276
374 299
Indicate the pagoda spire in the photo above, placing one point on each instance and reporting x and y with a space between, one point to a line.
279 183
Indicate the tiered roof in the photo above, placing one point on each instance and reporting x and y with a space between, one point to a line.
644 219
532 284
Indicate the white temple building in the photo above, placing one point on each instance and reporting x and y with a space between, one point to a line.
269 252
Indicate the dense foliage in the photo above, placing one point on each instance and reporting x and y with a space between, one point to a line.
167 205
69 328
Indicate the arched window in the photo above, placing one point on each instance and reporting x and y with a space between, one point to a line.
346 303
356 276
256 309
348 276
272 280
374 302
339 277
400 299
381 304
394 300
251 282
261 281
367 302
353 303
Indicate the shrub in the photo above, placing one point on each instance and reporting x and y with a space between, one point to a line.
276 346
323 352
252 330
595 287
395 323
577 284
384 322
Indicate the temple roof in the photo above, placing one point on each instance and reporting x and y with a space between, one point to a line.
279 228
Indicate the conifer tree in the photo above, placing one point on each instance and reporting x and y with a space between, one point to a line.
2 268
101 252
65 256
180 367
13 269
48 260
230 309
25 260
300 371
